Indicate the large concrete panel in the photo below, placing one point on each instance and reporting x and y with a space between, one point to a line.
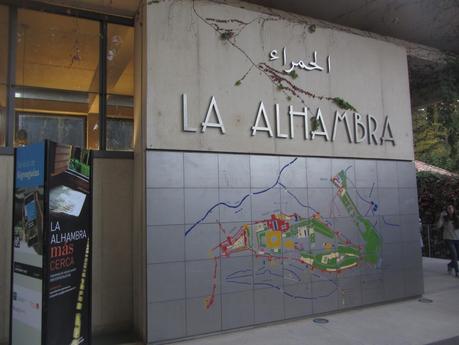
234 171
201 320
166 243
232 282
269 305
166 320
167 170
237 309
236 212
112 245
6 193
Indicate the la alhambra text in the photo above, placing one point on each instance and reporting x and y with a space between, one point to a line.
357 128
62 247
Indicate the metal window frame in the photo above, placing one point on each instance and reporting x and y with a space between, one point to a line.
103 31
11 76
68 11
44 114
103 19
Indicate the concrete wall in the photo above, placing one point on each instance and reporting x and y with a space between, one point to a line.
190 54
112 244
6 193
138 226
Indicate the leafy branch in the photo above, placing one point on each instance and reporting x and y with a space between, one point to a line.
343 104
276 77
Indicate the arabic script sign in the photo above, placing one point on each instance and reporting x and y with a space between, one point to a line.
310 66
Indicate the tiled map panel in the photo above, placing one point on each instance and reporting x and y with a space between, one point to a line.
237 240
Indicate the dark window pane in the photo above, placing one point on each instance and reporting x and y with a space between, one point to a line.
2 115
83 107
119 134
119 106
120 129
62 129
3 44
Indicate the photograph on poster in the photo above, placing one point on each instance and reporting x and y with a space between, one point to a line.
69 244
26 306
28 245
28 216
66 200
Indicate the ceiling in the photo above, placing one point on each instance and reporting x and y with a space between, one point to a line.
124 8
433 23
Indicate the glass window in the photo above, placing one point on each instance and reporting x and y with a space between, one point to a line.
51 104
57 79
62 129
120 87
3 70
3 44
119 134
2 115
57 52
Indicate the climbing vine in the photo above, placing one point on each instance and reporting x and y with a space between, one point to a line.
277 78
343 104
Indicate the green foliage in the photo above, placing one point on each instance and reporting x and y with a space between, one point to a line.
436 134
226 35
237 83
435 192
439 82
436 126
314 124
293 74
343 104
448 80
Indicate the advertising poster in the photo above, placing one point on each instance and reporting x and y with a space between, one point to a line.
51 263
69 245
27 265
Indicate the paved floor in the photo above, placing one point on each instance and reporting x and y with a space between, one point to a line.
402 323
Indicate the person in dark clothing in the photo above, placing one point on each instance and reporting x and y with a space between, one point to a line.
449 222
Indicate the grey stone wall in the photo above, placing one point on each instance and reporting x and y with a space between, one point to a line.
246 227
6 202
199 283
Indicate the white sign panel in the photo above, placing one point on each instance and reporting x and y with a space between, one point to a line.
223 78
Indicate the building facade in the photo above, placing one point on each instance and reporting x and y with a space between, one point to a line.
299 194
270 174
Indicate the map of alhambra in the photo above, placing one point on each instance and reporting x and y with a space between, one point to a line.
281 237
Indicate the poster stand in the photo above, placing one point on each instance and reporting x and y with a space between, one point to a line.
51 250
